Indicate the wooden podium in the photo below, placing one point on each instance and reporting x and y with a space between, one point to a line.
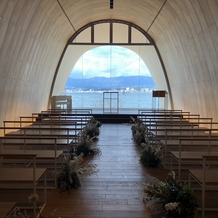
160 99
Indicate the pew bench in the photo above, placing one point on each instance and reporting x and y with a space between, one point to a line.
7 209
207 179
196 143
23 178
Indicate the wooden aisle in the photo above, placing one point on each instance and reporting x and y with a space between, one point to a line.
116 190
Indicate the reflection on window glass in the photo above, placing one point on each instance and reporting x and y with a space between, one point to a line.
110 69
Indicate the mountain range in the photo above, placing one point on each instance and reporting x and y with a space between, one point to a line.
121 82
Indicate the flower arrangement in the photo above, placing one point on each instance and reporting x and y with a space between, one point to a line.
85 140
171 198
151 155
138 131
72 173
84 145
74 167
92 128
152 150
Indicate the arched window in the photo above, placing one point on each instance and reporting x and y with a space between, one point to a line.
111 33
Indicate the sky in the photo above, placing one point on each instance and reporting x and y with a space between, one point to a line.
109 61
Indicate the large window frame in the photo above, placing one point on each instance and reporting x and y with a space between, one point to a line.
90 31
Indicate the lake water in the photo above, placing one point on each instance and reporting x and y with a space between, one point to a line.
123 101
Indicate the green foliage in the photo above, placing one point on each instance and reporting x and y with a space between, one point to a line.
175 199
92 128
72 173
86 139
138 131
68 177
151 155
85 145
74 167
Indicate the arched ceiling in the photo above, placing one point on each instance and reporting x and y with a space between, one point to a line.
34 33
82 12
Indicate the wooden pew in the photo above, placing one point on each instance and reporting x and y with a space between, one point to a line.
155 124
201 122
190 151
77 117
207 178
25 142
45 149
155 128
161 112
22 178
48 122
171 141
167 134
153 120
63 113
52 118
7 209
167 114
45 158
69 111
58 132
82 113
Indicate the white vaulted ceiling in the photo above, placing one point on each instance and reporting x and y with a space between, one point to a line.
34 33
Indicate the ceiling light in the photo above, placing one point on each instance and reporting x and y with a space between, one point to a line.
111 4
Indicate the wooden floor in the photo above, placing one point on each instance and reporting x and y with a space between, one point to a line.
116 190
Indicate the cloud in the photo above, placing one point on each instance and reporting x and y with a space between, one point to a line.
109 61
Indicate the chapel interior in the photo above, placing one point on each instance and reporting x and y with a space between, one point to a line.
40 43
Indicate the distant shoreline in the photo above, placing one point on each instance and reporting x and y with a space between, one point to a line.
112 83
128 100
127 90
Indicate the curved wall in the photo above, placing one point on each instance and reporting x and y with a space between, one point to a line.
32 37
186 35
